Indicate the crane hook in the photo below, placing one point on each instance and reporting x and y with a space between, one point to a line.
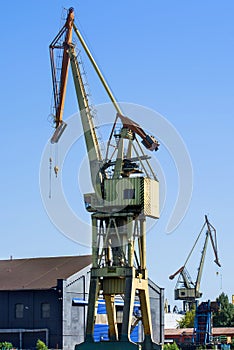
56 170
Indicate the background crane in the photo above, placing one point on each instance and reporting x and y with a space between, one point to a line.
185 289
126 191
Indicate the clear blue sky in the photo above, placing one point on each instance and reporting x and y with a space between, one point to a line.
175 57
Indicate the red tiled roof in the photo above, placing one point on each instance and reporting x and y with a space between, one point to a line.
228 331
178 331
39 273
223 331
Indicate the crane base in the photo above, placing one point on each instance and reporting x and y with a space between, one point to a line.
117 345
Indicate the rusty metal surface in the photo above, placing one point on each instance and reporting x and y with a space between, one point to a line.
39 273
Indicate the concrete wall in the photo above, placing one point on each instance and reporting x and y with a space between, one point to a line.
74 317
157 311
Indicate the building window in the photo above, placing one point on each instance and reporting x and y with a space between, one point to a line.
45 310
129 193
19 310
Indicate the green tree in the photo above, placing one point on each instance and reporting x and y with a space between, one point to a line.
188 320
224 317
172 346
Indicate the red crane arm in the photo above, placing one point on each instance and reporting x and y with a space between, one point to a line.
148 141
60 73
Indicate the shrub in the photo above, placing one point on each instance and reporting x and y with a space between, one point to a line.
41 345
6 345
172 346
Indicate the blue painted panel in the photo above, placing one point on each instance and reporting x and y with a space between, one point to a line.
101 308
100 332
135 335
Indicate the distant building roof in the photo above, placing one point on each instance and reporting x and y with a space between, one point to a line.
177 331
216 331
39 273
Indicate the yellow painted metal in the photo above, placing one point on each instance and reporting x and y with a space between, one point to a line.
142 286
91 139
143 243
151 198
111 315
99 73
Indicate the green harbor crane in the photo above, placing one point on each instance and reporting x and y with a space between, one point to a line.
185 289
126 191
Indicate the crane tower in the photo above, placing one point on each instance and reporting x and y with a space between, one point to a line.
185 288
126 191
